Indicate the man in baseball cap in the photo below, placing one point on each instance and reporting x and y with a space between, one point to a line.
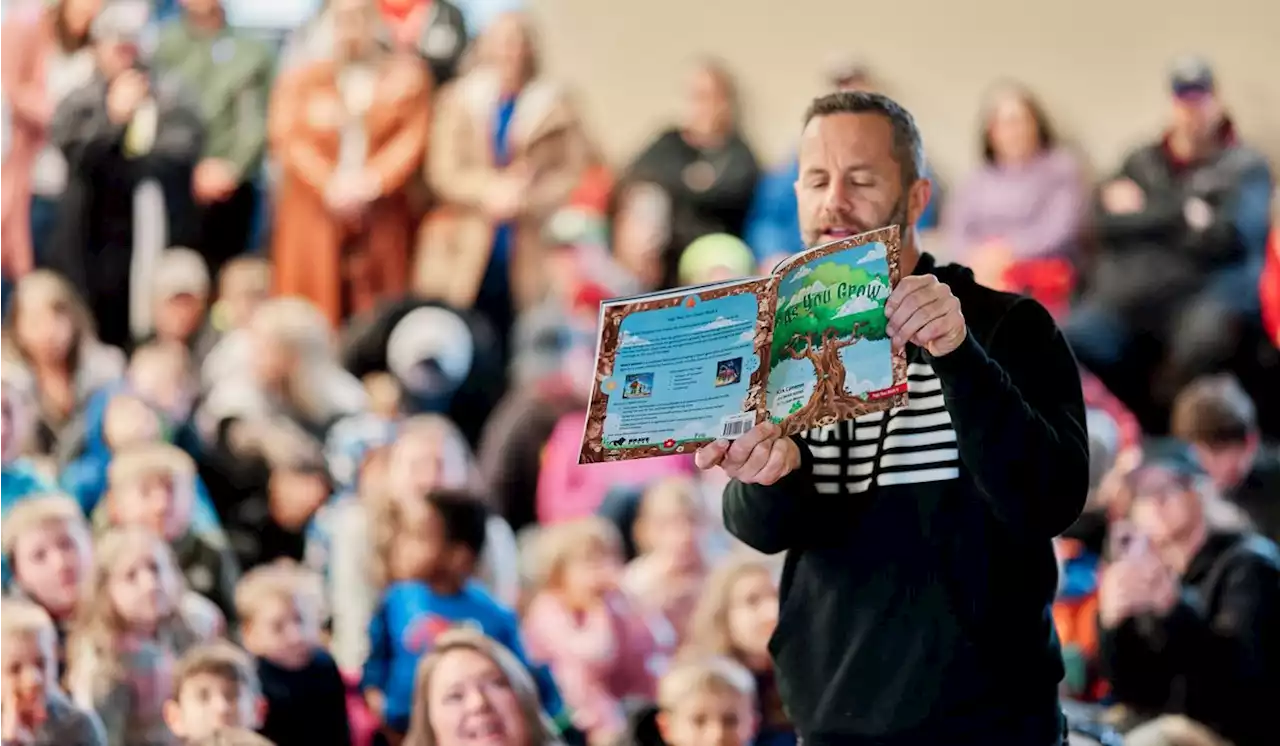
1189 610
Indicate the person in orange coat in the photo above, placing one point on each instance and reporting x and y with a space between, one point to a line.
348 132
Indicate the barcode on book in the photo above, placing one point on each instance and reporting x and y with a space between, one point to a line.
737 424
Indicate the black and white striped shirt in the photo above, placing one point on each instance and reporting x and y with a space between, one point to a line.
909 445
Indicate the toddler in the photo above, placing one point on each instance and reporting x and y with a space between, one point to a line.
47 545
599 647
35 711
18 477
133 626
668 575
214 687
735 619
153 485
707 702
426 554
306 699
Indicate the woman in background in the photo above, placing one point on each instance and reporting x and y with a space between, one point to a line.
508 151
46 56
348 133
703 163
1017 219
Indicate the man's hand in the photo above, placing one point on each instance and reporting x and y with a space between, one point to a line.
923 311
214 180
125 93
1120 593
762 456
1134 585
1123 197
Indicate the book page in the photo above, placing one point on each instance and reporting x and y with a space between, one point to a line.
830 357
679 369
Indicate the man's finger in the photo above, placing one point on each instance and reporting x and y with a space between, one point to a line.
759 458
741 449
906 287
906 329
710 455
908 307
776 467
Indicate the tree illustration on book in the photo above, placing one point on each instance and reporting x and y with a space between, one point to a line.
832 307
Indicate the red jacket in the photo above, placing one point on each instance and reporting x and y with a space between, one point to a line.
1269 290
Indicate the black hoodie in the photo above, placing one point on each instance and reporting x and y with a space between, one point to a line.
920 570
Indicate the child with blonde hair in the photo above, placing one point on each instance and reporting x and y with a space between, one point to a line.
668 574
215 686
735 618
35 710
279 606
47 546
707 702
153 485
128 634
578 621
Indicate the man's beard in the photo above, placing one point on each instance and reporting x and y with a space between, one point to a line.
898 216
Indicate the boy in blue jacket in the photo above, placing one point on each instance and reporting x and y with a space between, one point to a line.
428 559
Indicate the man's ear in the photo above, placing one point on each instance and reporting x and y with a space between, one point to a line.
918 196
172 713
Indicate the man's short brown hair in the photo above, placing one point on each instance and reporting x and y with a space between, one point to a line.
220 659
1214 411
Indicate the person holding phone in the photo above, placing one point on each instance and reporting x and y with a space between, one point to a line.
1189 607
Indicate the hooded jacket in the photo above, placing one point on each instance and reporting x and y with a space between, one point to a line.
915 599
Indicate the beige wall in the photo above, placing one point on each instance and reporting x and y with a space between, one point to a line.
1099 65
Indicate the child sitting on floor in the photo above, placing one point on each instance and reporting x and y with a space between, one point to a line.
668 575
214 687
35 710
598 645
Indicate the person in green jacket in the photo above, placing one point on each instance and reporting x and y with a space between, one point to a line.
232 74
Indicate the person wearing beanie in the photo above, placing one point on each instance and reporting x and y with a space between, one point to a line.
715 258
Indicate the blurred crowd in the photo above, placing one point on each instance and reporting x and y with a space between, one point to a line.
299 314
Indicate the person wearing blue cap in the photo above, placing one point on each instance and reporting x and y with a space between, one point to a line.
1189 607
1182 229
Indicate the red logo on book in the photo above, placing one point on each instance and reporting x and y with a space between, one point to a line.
892 391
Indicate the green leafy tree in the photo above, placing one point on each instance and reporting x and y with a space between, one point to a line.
819 319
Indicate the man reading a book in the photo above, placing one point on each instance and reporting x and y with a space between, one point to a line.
919 570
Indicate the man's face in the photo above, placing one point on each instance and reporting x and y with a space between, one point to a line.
849 180
1196 114
1166 506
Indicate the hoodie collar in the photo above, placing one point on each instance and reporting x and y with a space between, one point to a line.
925 264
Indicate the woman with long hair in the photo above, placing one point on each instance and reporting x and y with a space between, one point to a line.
46 56
1017 219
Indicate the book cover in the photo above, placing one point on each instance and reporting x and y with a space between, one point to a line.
805 347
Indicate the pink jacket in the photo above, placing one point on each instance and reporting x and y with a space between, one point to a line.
27 40
568 490
599 659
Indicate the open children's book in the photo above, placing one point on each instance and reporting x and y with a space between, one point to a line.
804 347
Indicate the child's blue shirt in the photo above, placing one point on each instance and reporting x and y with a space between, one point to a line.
404 627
